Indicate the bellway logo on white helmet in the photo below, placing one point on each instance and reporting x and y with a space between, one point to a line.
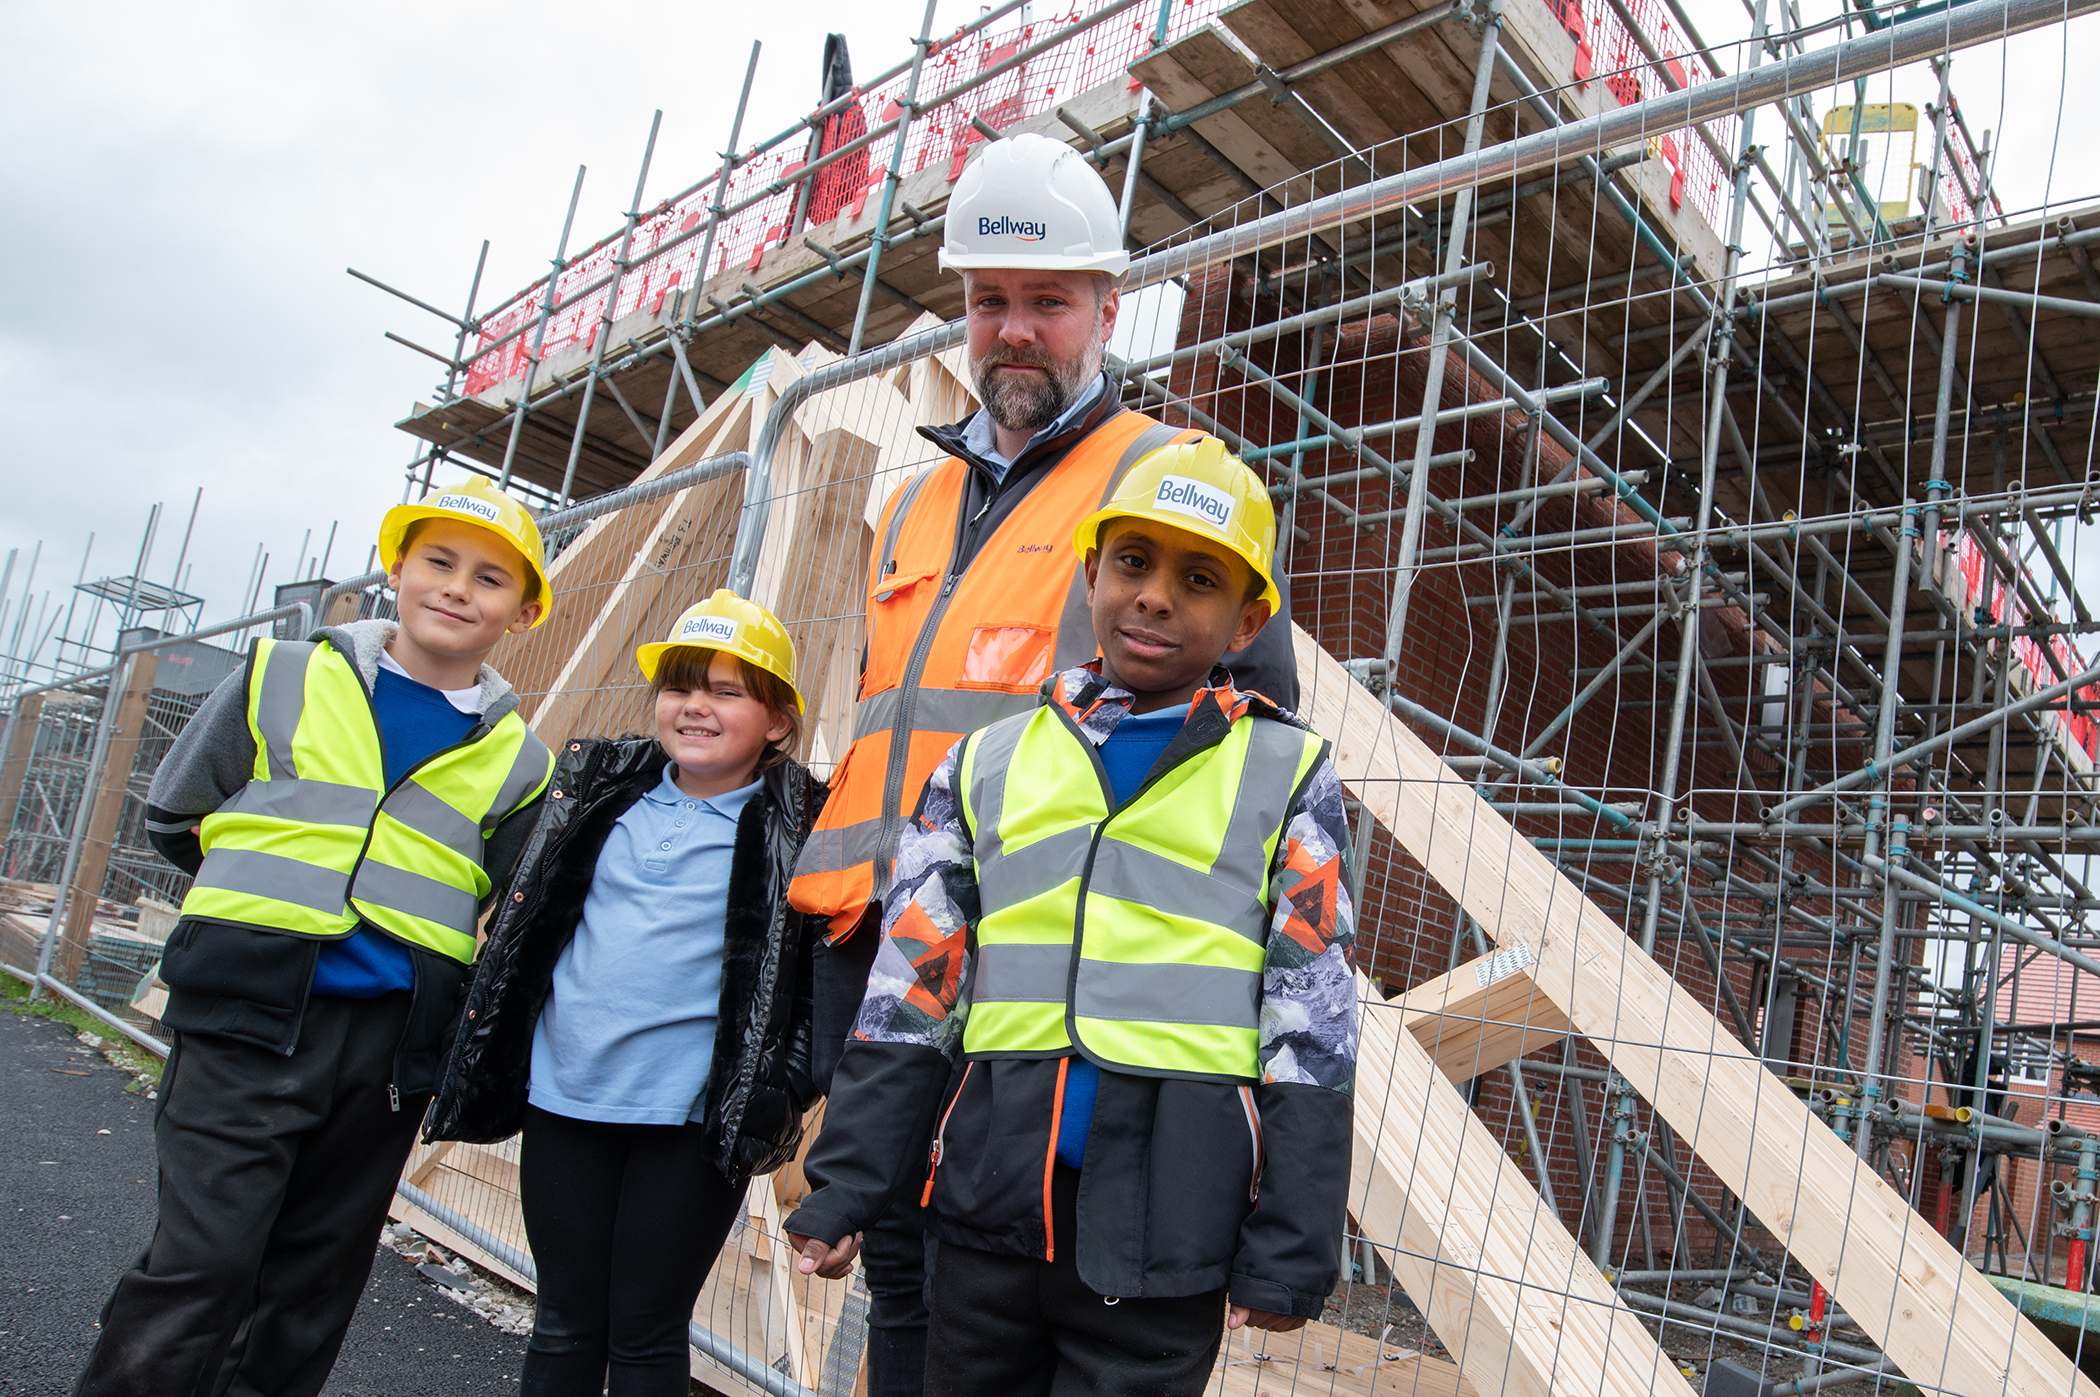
1007 226
716 630
467 504
1194 498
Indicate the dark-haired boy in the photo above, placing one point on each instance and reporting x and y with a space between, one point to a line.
1114 992
347 804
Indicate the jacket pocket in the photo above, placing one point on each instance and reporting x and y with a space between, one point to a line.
887 588
1011 658
940 1136
239 981
1254 1136
1201 1178
994 1134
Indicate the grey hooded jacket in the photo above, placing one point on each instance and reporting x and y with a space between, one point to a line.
251 984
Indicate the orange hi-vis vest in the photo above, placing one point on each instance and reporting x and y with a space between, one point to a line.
951 652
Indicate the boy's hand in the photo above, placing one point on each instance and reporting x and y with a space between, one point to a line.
832 1263
1245 1316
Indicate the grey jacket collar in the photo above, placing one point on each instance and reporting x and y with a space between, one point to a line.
362 642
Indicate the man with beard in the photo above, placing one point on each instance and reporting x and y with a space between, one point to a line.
976 596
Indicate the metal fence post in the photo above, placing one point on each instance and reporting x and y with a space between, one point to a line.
758 478
83 812
890 181
539 336
612 306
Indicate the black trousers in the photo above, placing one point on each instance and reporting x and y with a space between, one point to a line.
1024 1327
896 1254
625 1222
275 1175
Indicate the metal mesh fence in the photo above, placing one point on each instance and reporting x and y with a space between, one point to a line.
1697 633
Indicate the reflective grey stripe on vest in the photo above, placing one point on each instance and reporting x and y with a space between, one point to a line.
528 770
1225 894
1012 876
886 562
1076 642
836 850
273 876
1009 973
1006 877
1229 893
312 802
1190 994
282 700
433 817
940 710
383 885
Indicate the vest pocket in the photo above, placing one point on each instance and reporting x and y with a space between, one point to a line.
888 586
1013 658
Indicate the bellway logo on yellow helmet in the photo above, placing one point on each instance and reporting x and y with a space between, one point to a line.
734 626
1199 487
475 501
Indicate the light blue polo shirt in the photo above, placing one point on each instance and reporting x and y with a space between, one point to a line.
628 1033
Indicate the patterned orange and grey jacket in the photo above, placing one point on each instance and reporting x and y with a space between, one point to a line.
1189 1185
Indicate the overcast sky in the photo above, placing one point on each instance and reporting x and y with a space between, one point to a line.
183 186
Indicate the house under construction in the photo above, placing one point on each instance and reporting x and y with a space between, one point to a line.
1683 461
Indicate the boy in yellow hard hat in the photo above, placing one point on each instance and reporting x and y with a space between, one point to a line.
1110 1036
348 805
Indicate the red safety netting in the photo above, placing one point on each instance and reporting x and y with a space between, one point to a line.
941 136
1606 51
944 135
2008 609
1959 210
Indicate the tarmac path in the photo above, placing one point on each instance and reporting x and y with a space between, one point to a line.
77 1184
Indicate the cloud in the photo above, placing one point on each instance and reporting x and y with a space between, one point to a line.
185 185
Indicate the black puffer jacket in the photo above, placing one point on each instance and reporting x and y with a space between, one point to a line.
761 1082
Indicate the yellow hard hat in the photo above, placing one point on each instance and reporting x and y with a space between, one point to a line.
729 623
474 501
1200 487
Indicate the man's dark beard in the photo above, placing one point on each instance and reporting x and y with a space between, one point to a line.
1025 402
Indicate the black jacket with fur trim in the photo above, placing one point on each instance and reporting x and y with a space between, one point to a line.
761 1083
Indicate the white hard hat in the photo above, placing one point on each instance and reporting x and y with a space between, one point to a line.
1032 203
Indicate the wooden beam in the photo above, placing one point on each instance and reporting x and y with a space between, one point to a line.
1485 1013
1899 1280
673 553
1521 1306
599 558
14 763
813 570
137 680
784 1325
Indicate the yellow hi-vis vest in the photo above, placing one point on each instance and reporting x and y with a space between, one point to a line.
316 841
1135 935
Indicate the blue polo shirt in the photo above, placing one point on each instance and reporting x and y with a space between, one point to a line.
628 1033
1128 757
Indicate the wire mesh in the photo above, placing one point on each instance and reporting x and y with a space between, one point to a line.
1687 553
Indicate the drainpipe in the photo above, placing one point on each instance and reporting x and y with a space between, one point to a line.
2077 1200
